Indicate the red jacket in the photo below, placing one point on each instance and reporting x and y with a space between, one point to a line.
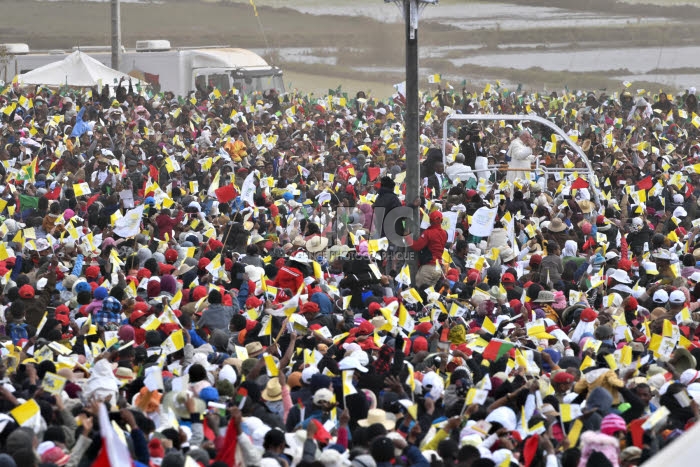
289 278
167 223
435 238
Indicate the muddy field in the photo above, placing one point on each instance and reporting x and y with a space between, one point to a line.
540 43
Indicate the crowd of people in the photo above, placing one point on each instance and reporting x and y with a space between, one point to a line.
219 280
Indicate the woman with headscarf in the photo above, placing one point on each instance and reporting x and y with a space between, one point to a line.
570 254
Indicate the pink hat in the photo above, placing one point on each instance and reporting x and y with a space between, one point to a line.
612 423
559 301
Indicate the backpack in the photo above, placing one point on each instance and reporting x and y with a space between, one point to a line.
18 332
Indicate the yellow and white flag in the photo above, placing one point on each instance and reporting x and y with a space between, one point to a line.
348 387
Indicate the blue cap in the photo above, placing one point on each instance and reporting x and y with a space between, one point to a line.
100 293
82 287
209 394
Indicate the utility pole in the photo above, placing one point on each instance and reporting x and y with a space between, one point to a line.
411 10
411 137
116 34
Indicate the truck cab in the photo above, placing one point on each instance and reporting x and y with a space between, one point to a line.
244 80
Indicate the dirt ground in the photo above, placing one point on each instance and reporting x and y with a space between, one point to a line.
367 52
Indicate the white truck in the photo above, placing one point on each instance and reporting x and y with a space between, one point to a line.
180 70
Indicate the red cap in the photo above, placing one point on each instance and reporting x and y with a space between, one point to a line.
165 268
309 307
563 377
600 220
365 328
136 314
536 259
215 244
199 292
63 319
26 291
588 315
420 344
631 304
203 263
143 273
473 275
170 256
374 307
424 328
253 302
625 265
92 272
436 217
508 278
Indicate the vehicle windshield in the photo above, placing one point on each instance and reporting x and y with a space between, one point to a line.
259 83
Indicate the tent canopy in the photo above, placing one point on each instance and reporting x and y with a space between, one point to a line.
78 69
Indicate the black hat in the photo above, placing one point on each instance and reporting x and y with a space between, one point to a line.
387 182
274 438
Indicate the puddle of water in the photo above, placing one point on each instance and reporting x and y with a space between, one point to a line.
476 15
678 81
380 69
562 19
635 59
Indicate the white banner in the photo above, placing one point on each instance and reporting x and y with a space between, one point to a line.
482 222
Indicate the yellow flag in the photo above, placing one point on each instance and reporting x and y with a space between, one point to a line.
173 343
489 326
575 432
587 362
266 328
569 412
81 189
411 381
3 252
272 370
24 412
348 387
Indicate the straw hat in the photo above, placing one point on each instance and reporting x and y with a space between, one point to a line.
273 390
586 206
316 244
377 416
254 349
556 225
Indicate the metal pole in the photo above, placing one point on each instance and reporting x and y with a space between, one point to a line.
411 135
116 34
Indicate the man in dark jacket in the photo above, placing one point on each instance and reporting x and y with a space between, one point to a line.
386 201
639 234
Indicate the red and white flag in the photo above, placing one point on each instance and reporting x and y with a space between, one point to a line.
114 452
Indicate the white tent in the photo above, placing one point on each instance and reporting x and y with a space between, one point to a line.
78 70
682 452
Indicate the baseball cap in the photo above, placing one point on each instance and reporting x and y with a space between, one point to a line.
660 296
695 277
322 395
307 373
677 297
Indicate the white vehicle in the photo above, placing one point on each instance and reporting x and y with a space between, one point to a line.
180 70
